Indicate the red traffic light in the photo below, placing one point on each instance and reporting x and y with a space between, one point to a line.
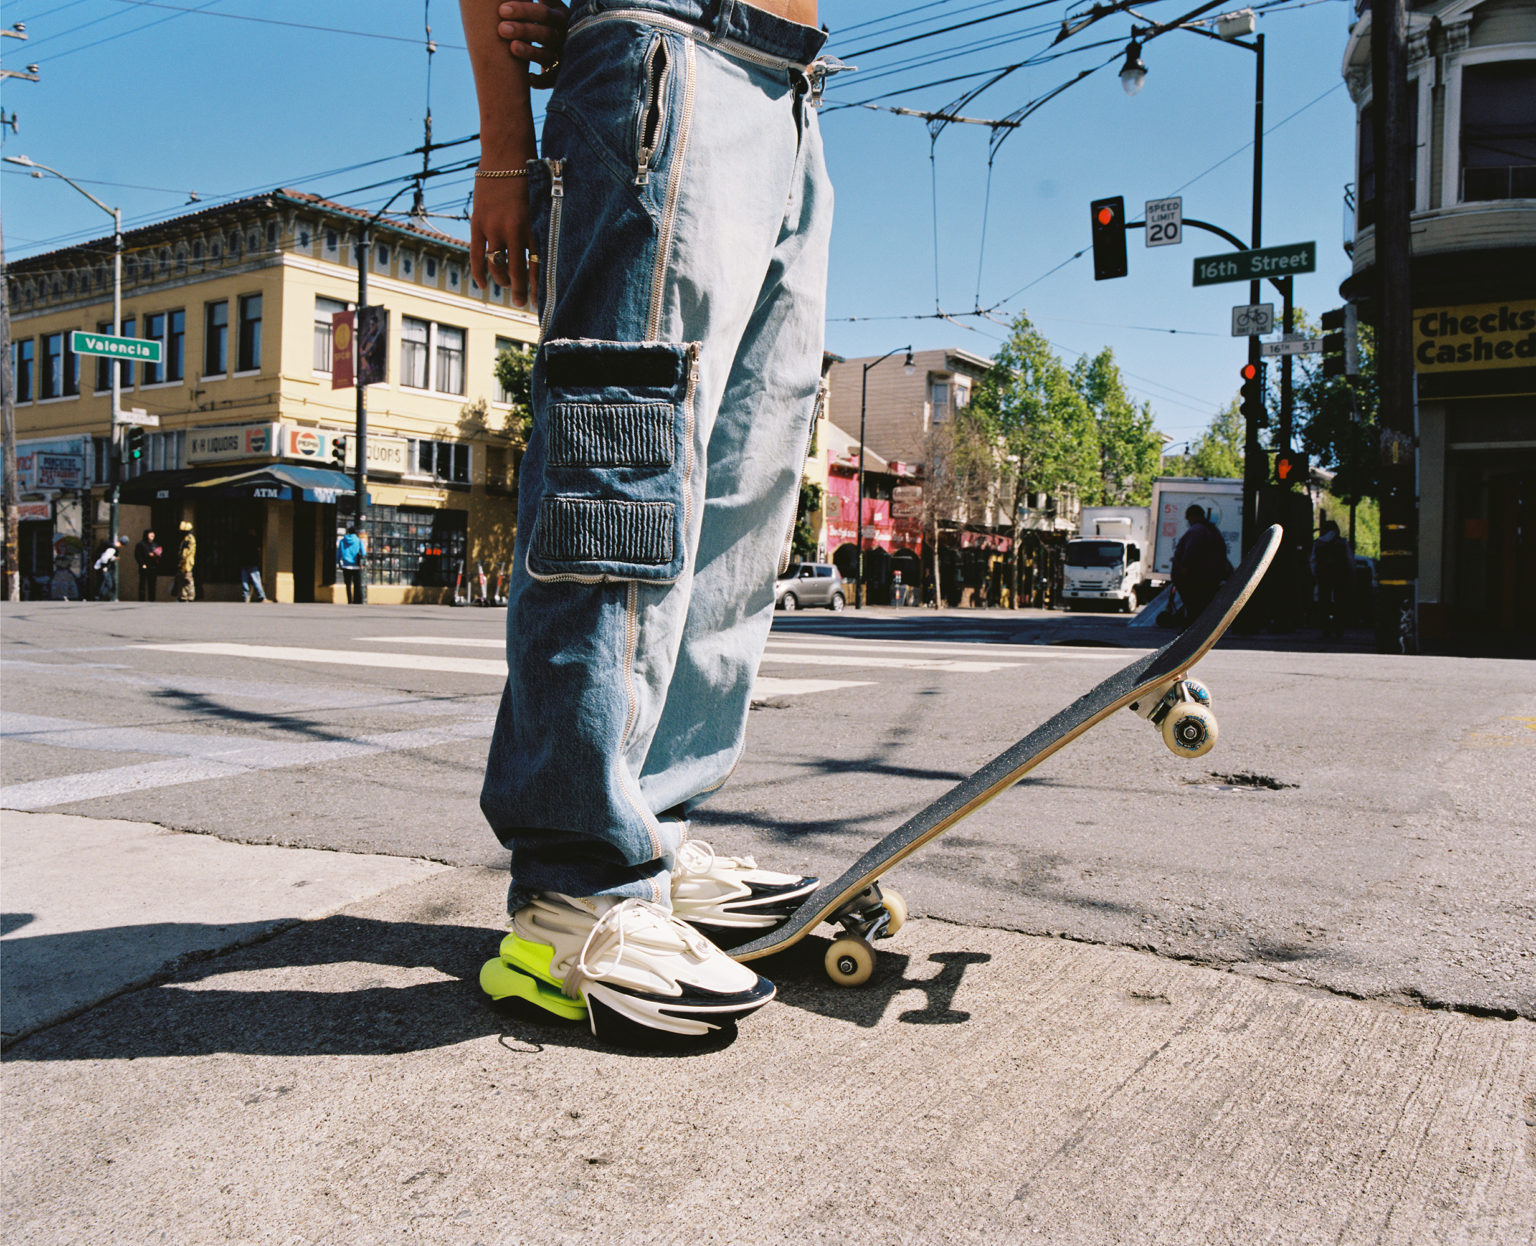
1250 370
1106 215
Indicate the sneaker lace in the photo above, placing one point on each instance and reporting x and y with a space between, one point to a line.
614 928
697 857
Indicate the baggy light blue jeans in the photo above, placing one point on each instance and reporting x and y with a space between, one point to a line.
681 211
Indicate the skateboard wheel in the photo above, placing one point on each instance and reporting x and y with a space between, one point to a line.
895 909
1189 730
1196 691
850 961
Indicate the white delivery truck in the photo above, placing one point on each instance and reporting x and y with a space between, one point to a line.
1220 498
1109 561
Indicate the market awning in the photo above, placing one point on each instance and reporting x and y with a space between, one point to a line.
278 483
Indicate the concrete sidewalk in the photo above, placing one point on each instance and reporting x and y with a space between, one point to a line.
328 1072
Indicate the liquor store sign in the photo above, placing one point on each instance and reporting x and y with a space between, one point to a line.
1474 336
232 441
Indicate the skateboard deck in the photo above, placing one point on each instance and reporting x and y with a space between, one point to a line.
1156 686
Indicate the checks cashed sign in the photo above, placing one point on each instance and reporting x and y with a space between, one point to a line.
1474 336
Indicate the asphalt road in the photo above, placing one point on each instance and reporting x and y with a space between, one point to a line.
1362 827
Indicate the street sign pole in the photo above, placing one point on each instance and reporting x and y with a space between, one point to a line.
115 444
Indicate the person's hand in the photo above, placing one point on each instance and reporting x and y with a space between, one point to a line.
535 32
499 236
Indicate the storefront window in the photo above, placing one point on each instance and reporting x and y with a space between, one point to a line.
418 548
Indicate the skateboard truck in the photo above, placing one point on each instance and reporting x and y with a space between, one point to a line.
1182 709
874 913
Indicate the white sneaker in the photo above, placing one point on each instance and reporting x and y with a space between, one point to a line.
629 962
729 898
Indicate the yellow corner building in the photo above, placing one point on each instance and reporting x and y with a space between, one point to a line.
253 445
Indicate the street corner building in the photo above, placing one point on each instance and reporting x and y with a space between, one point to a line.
1471 107
251 443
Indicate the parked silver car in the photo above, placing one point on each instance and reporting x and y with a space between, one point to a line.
809 584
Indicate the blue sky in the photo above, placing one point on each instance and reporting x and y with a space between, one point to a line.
146 103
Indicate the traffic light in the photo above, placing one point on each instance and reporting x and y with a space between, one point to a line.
1289 467
339 451
1252 404
1108 238
1341 345
135 443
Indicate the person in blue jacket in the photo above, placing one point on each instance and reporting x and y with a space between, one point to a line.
349 557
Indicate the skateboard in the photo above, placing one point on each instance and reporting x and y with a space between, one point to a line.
1156 686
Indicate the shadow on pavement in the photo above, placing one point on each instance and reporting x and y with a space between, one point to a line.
803 983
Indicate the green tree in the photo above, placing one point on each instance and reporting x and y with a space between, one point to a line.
1216 452
1129 447
514 373
1029 407
1337 422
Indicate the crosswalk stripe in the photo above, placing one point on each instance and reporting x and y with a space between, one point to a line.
808 658
765 685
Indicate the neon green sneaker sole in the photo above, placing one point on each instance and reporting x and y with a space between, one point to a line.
501 981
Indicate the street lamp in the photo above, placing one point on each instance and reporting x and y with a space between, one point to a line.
1229 26
858 520
115 467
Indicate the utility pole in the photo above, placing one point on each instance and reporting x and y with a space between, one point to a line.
8 412
1396 615
11 486
360 465
1254 459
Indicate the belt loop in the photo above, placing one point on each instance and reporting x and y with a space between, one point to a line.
723 17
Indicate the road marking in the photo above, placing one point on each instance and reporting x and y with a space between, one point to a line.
193 758
458 642
808 658
764 687
772 686
340 657
920 648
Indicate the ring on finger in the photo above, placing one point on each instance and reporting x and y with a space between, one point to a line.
498 256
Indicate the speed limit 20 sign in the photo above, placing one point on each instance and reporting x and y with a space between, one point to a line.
1165 222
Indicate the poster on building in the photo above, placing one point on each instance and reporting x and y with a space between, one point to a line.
57 471
342 326
372 345
1474 336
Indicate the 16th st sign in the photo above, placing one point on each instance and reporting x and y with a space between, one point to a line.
1298 257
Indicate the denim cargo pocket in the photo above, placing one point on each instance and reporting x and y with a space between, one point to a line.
618 458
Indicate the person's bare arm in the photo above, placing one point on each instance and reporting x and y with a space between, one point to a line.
499 220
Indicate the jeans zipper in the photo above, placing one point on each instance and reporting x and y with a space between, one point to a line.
669 212
648 126
552 246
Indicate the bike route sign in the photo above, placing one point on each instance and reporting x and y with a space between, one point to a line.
118 347
1298 257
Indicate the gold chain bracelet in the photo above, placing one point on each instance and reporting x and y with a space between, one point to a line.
501 172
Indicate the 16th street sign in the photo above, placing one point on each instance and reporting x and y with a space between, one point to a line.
117 347
1298 257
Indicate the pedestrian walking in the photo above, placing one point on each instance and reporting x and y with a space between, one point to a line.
682 308
1332 569
186 564
105 568
148 554
250 566
1200 562
349 557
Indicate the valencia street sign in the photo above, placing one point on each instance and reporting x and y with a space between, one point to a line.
1298 257
118 347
